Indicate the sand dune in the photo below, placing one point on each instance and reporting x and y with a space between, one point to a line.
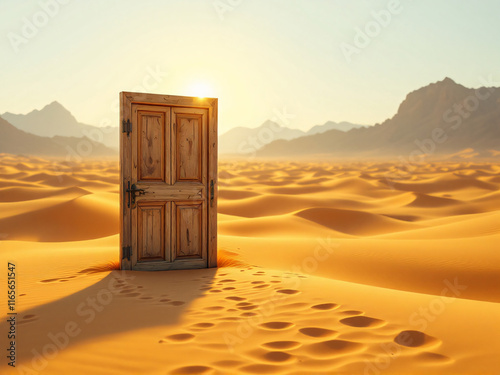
349 268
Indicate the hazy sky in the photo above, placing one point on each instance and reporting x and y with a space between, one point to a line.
318 60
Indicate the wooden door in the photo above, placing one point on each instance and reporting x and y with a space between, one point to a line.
169 182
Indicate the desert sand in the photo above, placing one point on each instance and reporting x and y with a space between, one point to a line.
325 268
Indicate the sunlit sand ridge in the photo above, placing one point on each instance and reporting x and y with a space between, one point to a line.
327 268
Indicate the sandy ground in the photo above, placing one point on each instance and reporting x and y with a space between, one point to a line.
325 269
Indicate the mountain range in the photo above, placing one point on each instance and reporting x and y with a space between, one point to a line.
15 141
243 140
441 118
55 120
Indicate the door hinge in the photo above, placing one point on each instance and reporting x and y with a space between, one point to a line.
126 126
126 252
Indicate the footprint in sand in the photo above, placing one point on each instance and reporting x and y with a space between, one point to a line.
275 326
229 288
246 306
261 286
261 273
248 314
28 319
334 348
351 312
259 369
213 308
415 339
194 370
203 325
227 363
317 332
288 291
179 337
278 357
363 322
433 358
274 356
325 306
177 303
282 345
236 298
132 294
227 281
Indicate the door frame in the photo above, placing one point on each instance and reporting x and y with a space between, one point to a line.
126 101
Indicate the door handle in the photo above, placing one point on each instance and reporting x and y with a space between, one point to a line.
212 193
132 191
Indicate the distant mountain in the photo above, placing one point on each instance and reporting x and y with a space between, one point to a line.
329 125
55 120
15 141
242 140
441 118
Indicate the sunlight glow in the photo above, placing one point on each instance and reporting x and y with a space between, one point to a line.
200 90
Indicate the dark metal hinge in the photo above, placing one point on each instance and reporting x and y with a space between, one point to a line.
126 126
127 252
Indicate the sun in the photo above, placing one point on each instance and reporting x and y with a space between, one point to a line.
200 90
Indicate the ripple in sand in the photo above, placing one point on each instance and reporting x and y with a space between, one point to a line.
235 298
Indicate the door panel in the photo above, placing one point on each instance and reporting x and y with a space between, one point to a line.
168 163
151 151
189 229
151 231
189 145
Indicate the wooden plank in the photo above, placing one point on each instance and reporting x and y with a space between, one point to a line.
212 176
125 175
167 193
177 265
170 100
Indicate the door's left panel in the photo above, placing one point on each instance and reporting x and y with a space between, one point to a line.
151 214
